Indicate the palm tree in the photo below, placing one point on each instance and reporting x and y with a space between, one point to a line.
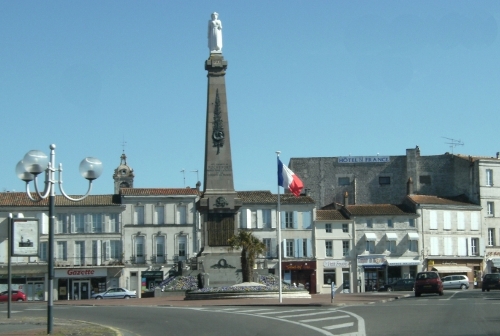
251 247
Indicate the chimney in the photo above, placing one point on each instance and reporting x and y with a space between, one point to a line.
346 199
498 155
409 187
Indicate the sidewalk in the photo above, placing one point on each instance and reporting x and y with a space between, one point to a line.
17 326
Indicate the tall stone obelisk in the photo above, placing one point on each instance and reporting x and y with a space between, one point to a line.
219 203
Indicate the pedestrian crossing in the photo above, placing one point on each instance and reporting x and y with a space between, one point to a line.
326 321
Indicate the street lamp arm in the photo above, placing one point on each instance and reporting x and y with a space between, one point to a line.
48 183
74 199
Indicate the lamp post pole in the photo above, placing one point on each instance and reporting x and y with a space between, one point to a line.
34 163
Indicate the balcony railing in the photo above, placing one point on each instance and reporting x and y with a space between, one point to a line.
85 262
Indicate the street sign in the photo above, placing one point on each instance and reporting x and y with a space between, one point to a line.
334 288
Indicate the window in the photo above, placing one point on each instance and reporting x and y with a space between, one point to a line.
159 215
139 215
391 246
474 246
253 219
390 223
345 227
433 220
62 223
412 222
424 179
62 250
304 248
114 223
489 177
160 249
491 237
79 223
115 249
370 246
269 248
96 223
182 246
266 219
344 181
384 180
446 220
328 248
328 277
490 208
43 251
79 253
345 248
328 228
139 247
289 219
181 214
369 223
289 248
413 246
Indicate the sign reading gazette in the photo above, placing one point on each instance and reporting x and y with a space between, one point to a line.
336 263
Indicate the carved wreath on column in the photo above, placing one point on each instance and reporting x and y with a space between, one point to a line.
220 202
218 128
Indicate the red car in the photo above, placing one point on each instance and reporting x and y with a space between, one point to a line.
428 282
16 296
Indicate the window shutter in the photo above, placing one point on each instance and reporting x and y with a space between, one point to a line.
98 252
273 251
273 219
295 220
259 219
462 246
447 220
460 221
107 249
243 223
300 248
283 248
306 219
433 220
474 221
434 246
249 219
309 248
469 246
481 246
282 219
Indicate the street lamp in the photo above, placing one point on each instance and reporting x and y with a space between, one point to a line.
34 163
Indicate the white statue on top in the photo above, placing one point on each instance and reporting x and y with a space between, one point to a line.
215 34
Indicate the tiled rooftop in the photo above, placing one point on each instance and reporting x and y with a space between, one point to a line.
428 199
329 215
266 197
378 210
20 199
159 191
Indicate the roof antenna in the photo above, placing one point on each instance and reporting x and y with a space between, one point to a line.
453 143
184 175
197 177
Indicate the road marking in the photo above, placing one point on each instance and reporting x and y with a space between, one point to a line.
325 318
280 312
309 314
258 310
338 326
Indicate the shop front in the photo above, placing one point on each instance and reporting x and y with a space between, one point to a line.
80 283
150 279
300 273
471 267
401 268
335 271
373 271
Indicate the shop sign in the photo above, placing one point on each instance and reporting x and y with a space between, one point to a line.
80 273
298 265
372 259
493 253
336 263
152 274
363 159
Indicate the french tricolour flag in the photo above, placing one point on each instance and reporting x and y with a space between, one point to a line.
288 179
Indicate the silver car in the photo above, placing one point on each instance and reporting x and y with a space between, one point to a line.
455 281
115 293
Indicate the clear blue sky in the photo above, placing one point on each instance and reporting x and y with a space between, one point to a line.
318 78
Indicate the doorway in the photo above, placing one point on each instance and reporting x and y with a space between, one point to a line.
80 290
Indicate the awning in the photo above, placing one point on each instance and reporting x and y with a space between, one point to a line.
370 236
496 262
412 236
402 262
391 236
452 269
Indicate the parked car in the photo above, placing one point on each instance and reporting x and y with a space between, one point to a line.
115 293
400 285
491 281
17 295
428 282
455 281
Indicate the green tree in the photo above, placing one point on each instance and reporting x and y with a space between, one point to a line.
250 247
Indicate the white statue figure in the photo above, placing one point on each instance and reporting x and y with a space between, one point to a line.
215 34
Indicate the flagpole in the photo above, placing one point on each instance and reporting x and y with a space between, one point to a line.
278 225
